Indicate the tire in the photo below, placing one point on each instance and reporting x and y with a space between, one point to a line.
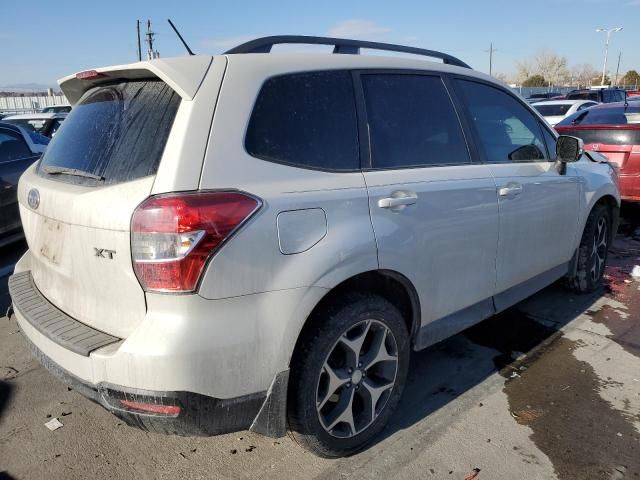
321 384
593 251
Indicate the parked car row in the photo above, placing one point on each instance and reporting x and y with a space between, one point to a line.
612 129
599 95
19 148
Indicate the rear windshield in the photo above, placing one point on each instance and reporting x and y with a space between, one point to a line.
116 133
617 115
552 110
584 96
32 124
607 136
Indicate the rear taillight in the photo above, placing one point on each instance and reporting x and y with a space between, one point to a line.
173 236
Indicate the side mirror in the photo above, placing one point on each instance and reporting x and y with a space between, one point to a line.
569 149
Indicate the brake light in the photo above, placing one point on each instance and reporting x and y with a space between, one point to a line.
89 75
173 236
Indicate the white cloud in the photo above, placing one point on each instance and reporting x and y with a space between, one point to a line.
356 28
633 3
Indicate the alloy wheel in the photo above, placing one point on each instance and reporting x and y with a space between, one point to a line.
357 378
599 249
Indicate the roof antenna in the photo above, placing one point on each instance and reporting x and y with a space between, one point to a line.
180 37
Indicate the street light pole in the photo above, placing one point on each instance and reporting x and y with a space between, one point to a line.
606 48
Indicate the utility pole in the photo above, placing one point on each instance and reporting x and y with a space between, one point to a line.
151 53
491 50
618 68
139 46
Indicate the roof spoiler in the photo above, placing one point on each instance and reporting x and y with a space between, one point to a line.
183 74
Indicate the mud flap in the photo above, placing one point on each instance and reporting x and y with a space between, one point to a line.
271 420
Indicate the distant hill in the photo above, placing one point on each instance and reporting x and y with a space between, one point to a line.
28 87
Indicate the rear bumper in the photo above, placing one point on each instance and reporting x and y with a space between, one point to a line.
224 362
629 187
198 415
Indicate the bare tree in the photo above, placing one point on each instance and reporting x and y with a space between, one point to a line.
523 71
503 77
551 66
583 74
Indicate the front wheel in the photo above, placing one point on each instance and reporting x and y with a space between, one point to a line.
593 251
347 375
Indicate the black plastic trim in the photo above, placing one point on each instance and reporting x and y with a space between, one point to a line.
52 322
341 46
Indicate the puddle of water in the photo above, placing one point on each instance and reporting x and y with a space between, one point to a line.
511 333
557 397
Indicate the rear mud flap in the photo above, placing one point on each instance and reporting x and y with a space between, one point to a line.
271 420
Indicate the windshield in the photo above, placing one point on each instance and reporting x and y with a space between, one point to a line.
617 115
553 110
116 132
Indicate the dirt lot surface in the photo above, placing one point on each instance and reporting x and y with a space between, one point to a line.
549 389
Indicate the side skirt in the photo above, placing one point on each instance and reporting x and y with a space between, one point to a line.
456 322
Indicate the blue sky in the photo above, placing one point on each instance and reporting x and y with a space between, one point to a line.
45 40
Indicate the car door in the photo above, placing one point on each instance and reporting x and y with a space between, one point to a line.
434 211
538 201
15 157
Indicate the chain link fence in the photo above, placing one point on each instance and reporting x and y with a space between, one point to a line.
31 103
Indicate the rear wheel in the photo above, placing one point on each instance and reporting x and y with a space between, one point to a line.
347 375
593 250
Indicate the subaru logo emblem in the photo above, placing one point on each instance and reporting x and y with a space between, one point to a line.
33 198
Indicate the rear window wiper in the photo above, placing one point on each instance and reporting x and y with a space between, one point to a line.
53 170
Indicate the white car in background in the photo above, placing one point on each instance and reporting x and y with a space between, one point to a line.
46 124
554 111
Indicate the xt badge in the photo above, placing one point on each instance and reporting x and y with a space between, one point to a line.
104 253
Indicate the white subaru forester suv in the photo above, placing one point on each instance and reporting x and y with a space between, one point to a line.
258 240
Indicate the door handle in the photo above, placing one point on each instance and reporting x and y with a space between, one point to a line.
510 189
398 200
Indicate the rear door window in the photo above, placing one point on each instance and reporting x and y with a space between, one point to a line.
306 120
116 133
412 122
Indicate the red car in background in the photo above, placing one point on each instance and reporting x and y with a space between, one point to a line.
612 129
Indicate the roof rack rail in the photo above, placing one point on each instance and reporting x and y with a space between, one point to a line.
340 45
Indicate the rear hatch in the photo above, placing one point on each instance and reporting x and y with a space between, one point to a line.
619 143
98 168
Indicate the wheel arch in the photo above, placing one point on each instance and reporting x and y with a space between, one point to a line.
613 204
391 285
